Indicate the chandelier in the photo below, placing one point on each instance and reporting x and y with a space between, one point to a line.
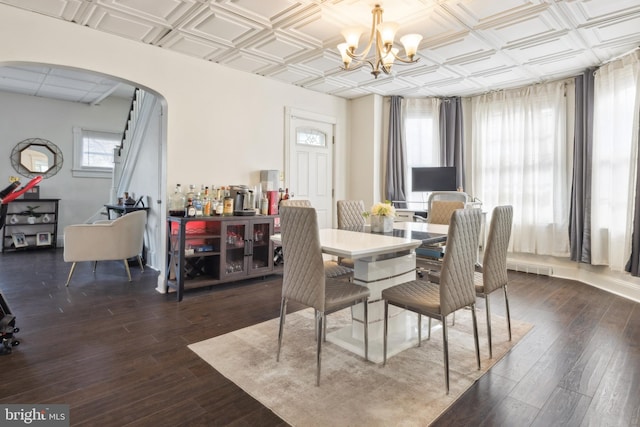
381 39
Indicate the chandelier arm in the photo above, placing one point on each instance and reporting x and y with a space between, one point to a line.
406 61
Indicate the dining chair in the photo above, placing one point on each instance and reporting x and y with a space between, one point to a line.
332 268
304 280
429 257
455 291
451 196
441 210
350 217
296 202
493 271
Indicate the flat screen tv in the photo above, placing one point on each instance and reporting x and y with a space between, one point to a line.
433 179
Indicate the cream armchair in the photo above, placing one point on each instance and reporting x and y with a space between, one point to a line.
121 238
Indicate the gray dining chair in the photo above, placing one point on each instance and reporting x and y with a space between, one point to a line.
304 280
455 291
296 202
332 268
492 274
350 217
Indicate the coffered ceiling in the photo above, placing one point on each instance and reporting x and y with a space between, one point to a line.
469 46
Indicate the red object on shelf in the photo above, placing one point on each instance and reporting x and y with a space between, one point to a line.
274 199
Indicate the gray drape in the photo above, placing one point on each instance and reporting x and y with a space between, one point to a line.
396 155
633 266
451 135
580 213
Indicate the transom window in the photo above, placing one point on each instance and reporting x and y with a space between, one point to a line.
309 136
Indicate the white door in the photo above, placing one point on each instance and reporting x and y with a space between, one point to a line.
309 164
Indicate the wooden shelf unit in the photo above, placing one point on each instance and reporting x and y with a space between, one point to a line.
206 251
47 209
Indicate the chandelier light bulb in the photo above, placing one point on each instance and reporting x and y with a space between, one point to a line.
387 31
352 37
410 43
346 59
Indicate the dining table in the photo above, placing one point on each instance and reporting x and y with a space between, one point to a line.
381 260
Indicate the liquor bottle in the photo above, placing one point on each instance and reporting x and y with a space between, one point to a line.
190 209
177 202
227 209
191 194
286 194
197 203
206 203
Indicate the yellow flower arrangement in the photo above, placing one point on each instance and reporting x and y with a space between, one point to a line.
383 209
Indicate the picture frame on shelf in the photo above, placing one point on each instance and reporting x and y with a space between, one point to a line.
43 238
19 240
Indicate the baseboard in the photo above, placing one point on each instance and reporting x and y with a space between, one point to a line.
601 277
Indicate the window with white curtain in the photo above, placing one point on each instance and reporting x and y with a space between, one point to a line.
93 152
615 147
522 157
422 140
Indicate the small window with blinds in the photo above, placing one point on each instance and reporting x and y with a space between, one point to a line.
93 152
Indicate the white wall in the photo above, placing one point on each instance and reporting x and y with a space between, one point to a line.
25 117
222 126
367 174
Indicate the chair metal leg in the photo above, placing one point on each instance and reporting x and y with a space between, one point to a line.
73 267
445 351
140 263
384 341
488 310
324 330
366 329
283 314
420 330
429 331
315 324
506 301
126 267
319 350
475 333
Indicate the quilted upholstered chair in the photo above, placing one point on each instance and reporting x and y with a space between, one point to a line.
350 218
493 271
441 211
331 268
350 215
296 202
119 239
304 280
456 289
447 196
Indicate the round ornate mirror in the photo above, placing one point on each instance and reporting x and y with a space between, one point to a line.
36 157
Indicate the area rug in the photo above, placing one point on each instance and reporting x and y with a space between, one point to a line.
408 391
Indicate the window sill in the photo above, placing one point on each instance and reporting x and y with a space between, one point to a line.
84 173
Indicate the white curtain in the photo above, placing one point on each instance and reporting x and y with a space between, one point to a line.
522 157
421 117
615 147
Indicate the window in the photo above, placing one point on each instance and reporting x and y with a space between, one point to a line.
421 131
312 137
615 147
93 152
522 157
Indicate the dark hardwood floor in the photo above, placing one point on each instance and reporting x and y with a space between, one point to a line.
116 352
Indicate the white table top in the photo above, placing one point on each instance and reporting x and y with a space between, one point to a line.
354 244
